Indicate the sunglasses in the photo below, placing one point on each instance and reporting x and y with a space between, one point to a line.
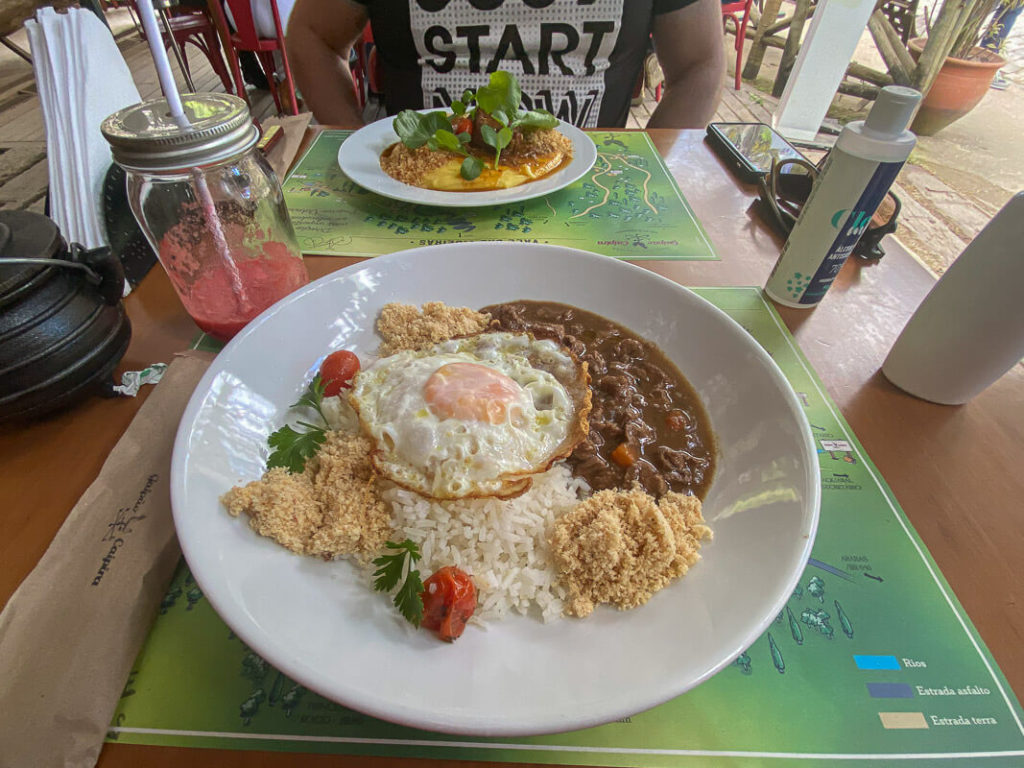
784 190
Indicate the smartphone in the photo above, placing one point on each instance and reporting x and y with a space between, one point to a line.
749 148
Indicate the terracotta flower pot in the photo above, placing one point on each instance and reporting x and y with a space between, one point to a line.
959 86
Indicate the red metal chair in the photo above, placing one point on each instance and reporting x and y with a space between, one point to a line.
739 12
366 68
245 38
188 25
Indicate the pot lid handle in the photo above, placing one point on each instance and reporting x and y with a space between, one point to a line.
90 272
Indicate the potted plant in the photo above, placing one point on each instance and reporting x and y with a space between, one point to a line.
948 66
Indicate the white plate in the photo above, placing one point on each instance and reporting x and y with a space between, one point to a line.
359 158
327 630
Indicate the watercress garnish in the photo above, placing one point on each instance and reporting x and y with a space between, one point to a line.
499 99
417 128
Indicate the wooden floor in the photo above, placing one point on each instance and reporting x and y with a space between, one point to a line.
23 168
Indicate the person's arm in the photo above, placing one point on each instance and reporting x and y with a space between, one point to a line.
320 36
688 43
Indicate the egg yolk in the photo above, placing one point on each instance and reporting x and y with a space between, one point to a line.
470 392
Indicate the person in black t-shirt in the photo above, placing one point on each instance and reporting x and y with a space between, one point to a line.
579 59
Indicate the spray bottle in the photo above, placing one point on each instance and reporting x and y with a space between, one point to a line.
857 175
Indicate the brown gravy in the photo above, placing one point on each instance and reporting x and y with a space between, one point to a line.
640 401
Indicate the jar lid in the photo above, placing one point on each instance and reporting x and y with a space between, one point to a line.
25 234
145 137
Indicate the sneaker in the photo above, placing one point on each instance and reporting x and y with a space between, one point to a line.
999 82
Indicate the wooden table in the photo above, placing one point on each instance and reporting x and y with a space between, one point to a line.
956 471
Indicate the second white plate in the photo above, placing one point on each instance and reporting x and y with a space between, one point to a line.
359 158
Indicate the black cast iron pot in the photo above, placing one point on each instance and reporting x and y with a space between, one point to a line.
63 328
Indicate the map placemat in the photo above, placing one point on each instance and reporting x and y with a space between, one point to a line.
628 206
872 662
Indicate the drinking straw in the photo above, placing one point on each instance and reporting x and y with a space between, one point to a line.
163 66
170 91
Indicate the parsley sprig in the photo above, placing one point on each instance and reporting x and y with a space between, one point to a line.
290 448
393 568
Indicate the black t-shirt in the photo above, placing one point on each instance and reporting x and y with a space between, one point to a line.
579 59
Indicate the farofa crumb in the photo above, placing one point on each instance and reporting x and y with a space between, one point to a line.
410 165
621 547
330 510
403 326
546 141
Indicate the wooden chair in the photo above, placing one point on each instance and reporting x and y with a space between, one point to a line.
246 38
739 12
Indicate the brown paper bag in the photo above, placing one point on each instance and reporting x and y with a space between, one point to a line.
70 633
281 155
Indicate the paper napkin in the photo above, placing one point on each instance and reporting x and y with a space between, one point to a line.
82 78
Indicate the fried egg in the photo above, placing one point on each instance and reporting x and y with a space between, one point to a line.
473 417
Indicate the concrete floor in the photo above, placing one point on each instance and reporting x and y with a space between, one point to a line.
959 178
955 181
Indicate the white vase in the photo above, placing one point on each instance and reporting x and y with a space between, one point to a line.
969 330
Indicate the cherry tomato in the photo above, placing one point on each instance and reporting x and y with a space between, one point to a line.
337 370
464 125
449 599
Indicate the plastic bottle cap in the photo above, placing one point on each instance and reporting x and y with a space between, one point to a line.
891 113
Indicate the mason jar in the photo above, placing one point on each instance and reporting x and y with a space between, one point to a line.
210 205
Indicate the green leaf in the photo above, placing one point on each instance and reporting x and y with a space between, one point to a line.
391 568
534 119
467 96
313 397
471 168
496 139
500 116
458 108
501 94
416 128
290 449
448 140
408 600
388 573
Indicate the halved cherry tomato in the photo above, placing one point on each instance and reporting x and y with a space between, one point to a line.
463 125
449 599
337 370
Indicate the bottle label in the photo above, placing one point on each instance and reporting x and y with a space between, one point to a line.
850 225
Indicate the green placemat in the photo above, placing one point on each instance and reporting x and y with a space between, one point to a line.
628 206
872 660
